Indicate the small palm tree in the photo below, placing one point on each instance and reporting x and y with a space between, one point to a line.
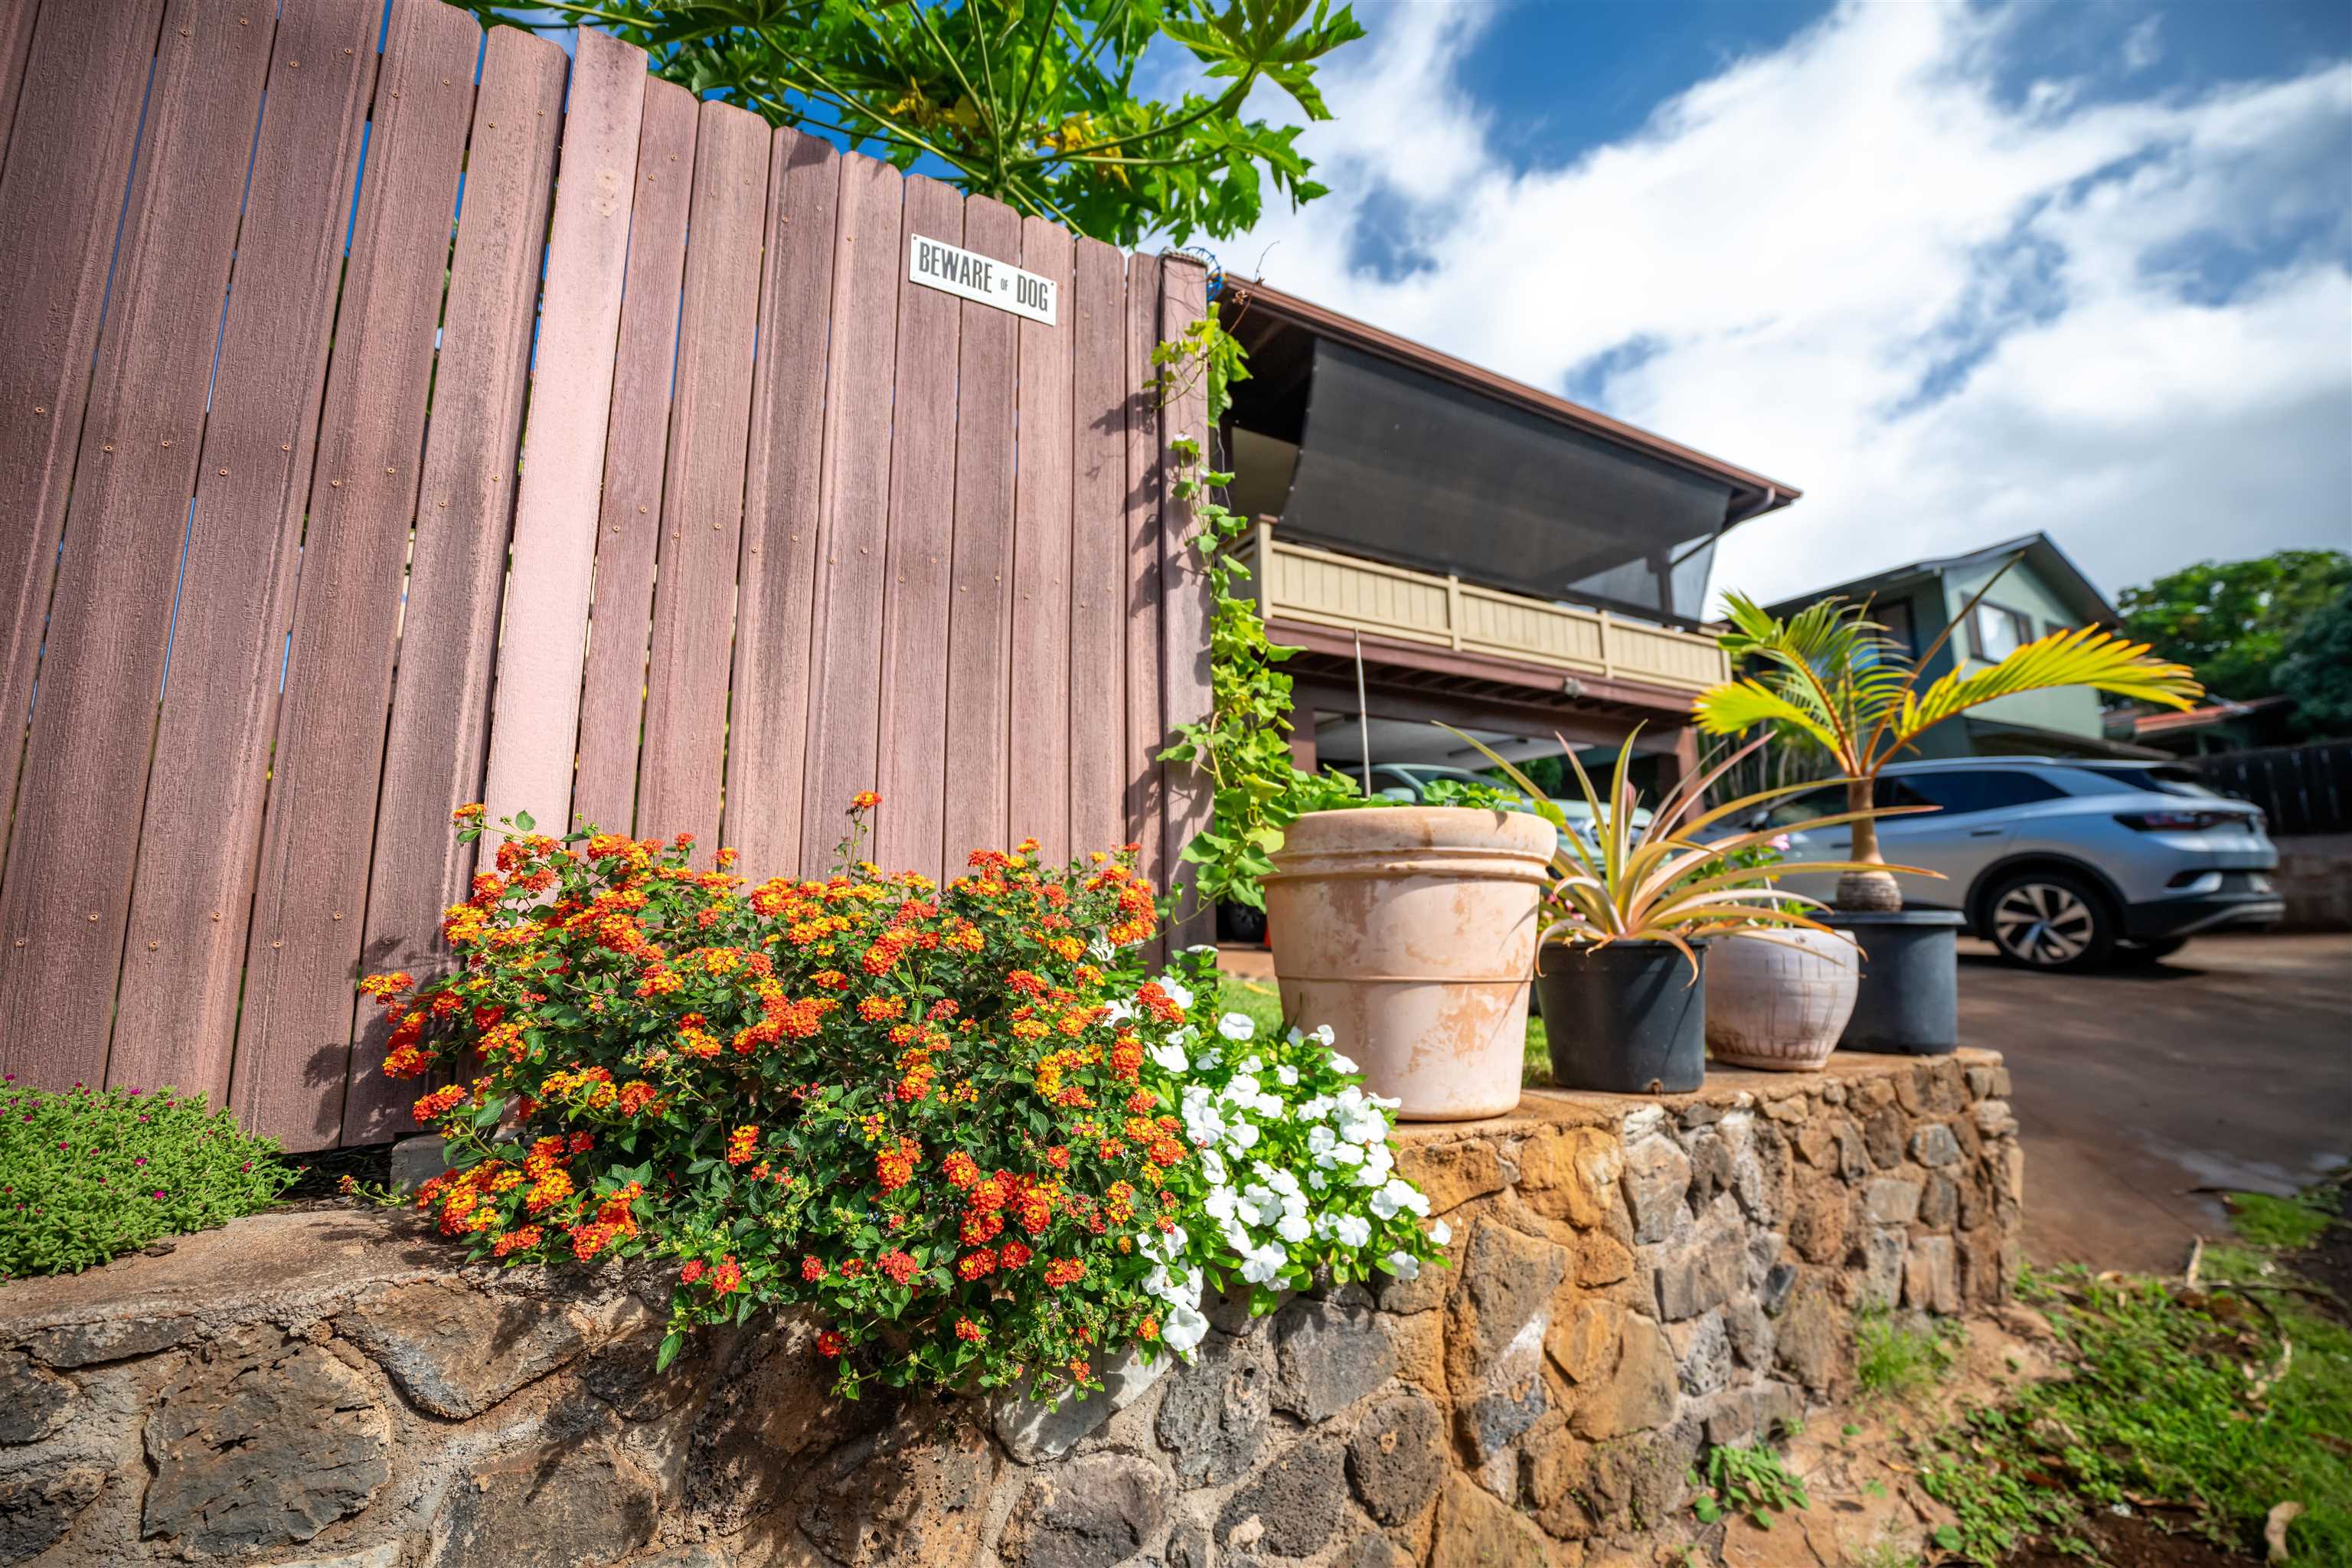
1830 678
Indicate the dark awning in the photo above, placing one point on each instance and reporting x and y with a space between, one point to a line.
1402 466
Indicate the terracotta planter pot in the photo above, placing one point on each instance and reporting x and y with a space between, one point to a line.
1410 930
1780 1002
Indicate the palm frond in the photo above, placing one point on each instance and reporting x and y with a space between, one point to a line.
2085 656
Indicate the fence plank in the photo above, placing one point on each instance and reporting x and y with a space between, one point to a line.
914 667
60 199
767 723
175 1016
67 893
680 772
854 499
979 621
1095 316
1146 800
534 729
16 44
457 564
294 1035
1039 739
636 442
1184 617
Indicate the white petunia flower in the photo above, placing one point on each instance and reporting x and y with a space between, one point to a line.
1177 991
1184 1329
1441 1233
1170 1057
1236 1026
1223 1203
1291 1227
1319 1140
1341 1064
1403 1265
1398 1196
1207 1059
1212 1165
1286 1076
1264 1204
1262 1264
1242 1136
1352 1229
1314 1179
1345 1154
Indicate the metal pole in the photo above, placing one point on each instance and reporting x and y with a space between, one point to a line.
1363 720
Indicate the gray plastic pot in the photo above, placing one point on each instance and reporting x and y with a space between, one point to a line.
1627 1018
1907 1002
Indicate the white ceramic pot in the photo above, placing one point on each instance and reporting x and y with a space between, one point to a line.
1411 932
1780 1002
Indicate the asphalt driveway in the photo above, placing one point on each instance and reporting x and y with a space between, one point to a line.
2229 1066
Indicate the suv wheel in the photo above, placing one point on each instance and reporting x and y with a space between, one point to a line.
2049 920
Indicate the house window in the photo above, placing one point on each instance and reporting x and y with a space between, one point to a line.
1996 631
1897 619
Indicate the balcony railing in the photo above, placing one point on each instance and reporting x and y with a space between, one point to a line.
1321 587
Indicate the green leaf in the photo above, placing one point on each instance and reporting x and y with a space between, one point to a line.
525 821
672 1342
1948 1537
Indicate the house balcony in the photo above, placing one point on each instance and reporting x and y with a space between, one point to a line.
1304 585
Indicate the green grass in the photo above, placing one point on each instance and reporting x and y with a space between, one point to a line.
1749 1479
1900 1359
2291 1224
91 1174
2171 1393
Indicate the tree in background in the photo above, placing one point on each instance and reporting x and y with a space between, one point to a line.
2232 621
2316 671
1033 102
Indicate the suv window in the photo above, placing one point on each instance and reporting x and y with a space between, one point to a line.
1799 809
2161 779
1964 790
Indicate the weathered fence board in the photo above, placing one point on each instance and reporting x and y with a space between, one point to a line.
66 895
62 193
176 1015
293 1046
680 772
1184 596
2302 789
767 724
916 588
458 559
777 524
980 620
556 527
637 443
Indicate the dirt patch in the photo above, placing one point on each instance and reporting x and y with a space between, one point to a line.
2133 1540
2327 1263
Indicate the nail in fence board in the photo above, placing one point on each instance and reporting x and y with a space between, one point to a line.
302 954
636 444
457 562
775 592
678 771
175 1017
543 632
66 892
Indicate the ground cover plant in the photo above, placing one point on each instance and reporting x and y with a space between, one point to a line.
2204 1406
89 1175
1901 1358
962 1123
1747 1479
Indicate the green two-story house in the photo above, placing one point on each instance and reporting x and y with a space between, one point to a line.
2040 592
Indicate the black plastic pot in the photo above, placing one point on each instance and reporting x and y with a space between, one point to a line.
1908 1000
1627 1018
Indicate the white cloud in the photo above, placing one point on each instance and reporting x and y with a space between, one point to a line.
1950 316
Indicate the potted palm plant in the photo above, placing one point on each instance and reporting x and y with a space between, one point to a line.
1621 975
1829 678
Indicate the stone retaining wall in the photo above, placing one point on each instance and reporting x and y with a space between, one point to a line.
1631 1280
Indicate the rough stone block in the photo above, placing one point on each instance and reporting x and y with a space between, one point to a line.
32 1402
1582 1340
1700 1274
40 1501
1934 1146
1396 1458
1813 1340
265 1443
1450 1175
914 1495
1818 1223
1474 1527
108 1339
1292 1507
1603 1260
456 1351
1090 1514
1882 1250
1570 1174
1327 1357
1702 1353
1995 1119
584 1505
1639 1393
1507 1284
1213 1418
1940 1205
1033 1430
1750 1327
1931 1280
1891 1200
1882 1134
1657 1178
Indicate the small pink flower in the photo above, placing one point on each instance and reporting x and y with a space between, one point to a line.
1780 841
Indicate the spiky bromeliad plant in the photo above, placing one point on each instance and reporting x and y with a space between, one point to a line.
1657 881
1828 677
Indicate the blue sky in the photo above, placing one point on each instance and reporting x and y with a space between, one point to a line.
1958 271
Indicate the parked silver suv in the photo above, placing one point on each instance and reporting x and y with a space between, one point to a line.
2060 864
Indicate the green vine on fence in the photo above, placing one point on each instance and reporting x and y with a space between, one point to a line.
1244 745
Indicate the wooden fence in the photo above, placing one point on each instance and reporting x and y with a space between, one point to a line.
386 429
2303 790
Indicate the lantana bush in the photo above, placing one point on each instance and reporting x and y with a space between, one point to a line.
961 1123
88 1175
